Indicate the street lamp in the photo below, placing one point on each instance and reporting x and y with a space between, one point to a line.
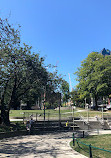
102 107
44 102
59 101
73 118
102 114
87 113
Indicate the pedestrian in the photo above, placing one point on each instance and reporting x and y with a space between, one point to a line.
67 124
31 125
28 126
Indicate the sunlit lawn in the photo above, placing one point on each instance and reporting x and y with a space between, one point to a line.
99 141
69 112
52 112
20 113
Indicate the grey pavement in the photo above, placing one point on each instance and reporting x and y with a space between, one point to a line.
55 145
16 120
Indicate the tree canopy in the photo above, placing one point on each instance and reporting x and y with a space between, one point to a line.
23 74
65 91
94 76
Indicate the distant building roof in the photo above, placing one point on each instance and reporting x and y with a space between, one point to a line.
105 52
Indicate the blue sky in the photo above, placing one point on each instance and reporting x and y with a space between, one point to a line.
64 31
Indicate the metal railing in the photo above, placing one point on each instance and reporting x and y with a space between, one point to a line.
48 116
100 120
88 148
82 118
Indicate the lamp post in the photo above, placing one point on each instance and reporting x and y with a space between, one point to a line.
102 114
87 113
88 116
102 109
44 102
59 99
73 118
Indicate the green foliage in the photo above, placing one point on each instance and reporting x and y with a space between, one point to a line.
23 73
77 98
94 76
65 90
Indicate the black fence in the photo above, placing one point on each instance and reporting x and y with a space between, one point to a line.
91 150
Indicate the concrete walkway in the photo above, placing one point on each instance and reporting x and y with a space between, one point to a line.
55 145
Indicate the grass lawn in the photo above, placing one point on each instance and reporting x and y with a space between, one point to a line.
53 113
99 141
20 113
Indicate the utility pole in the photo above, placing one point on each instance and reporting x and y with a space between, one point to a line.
70 82
59 100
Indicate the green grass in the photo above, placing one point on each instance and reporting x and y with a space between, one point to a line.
100 141
19 113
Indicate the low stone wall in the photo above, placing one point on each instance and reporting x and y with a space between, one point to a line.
12 134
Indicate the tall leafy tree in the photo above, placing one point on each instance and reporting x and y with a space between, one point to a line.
94 76
9 41
65 91
22 72
20 69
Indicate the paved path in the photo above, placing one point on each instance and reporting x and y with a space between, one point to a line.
54 145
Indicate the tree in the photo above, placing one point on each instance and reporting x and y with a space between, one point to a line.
9 39
53 89
65 91
75 97
20 69
23 75
94 76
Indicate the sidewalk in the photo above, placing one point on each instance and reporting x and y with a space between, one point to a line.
99 132
55 145
52 145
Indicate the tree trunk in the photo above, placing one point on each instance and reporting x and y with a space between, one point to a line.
96 105
5 117
16 103
28 105
4 113
65 103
